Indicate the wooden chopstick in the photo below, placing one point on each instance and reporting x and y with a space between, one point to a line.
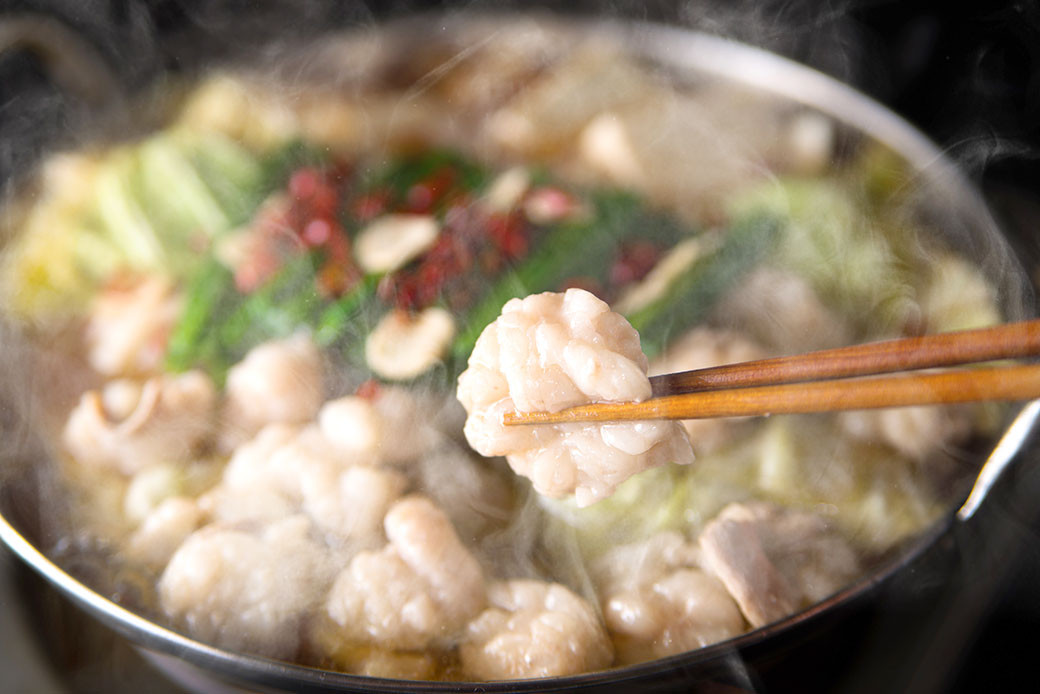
975 385
788 385
1008 341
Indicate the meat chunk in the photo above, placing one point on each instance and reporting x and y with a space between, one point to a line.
246 591
264 477
775 561
553 351
397 665
683 609
416 592
256 462
128 425
392 426
278 381
163 531
150 487
254 487
287 469
351 503
129 325
534 629
657 600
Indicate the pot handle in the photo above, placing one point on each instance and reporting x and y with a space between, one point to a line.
1001 459
72 63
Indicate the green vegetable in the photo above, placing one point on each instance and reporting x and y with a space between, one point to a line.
804 461
581 248
220 324
956 296
276 166
403 173
233 175
278 308
178 205
347 319
695 291
664 498
178 201
121 218
208 298
652 501
840 246
585 247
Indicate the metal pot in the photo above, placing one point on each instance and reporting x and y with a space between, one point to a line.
799 651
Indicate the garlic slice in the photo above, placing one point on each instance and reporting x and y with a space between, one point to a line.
404 346
391 241
606 145
506 191
667 271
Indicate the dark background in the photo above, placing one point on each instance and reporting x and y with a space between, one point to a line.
966 74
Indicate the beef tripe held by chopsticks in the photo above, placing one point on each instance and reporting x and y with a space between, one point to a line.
552 351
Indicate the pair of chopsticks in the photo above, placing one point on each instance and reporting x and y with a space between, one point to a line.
833 379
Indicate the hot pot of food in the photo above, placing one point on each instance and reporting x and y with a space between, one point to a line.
236 343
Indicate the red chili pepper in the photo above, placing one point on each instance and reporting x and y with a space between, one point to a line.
407 296
335 278
419 199
261 264
442 181
370 205
340 170
325 201
510 235
303 182
314 194
369 390
425 195
635 260
548 204
491 261
316 232
338 245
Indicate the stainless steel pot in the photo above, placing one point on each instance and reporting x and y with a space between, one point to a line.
741 662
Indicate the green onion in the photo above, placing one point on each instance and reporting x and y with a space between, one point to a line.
234 176
400 175
690 297
583 248
345 320
276 309
209 296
